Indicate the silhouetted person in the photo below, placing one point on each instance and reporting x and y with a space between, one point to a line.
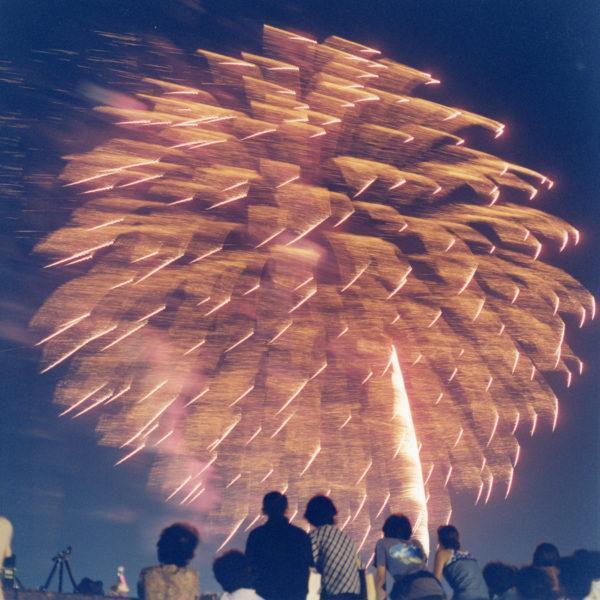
500 580
233 573
534 583
405 560
172 579
591 560
6 533
279 553
546 557
458 567
576 575
333 551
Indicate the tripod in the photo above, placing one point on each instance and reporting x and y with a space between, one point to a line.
61 561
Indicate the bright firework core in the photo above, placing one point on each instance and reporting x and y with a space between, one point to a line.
298 276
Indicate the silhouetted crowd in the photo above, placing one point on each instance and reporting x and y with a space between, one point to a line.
279 556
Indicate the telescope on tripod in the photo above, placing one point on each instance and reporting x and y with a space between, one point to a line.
61 563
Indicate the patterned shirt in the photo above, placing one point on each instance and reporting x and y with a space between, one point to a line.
336 559
169 582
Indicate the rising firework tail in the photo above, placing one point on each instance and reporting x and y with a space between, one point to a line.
299 276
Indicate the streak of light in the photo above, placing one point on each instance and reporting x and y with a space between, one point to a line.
102 225
93 405
538 250
196 495
236 185
206 254
280 332
105 188
269 238
293 396
64 327
151 314
417 360
148 423
344 218
303 283
452 242
194 347
494 428
162 265
360 507
490 486
583 316
230 536
455 114
240 341
242 396
364 539
182 201
125 335
510 481
228 200
306 232
145 256
142 180
468 281
249 526
299 304
479 493
79 254
435 319
453 374
87 341
119 394
252 289
283 424
254 435
153 390
164 437
398 183
365 187
79 260
489 383
132 453
197 397
212 447
191 493
364 473
383 505
318 371
448 475
534 423
218 306
179 488
517 419
458 437
269 473
118 285
429 473
516 295
369 375
345 523
238 476
439 398
207 465
353 280
257 134
516 361
311 460
517 456
79 402
400 285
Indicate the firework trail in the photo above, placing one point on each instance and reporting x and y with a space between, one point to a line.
298 276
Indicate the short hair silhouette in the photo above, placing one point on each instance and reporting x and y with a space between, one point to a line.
533 583
320 510
397 526
274 504
499 577
177 544
545 555
232 571
575 576
448 537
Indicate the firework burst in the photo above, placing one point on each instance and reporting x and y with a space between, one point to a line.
300 277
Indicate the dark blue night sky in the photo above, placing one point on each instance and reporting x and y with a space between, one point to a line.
533 65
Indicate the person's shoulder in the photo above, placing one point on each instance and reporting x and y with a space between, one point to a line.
298 532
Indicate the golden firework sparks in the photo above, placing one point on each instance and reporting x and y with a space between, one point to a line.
305 266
